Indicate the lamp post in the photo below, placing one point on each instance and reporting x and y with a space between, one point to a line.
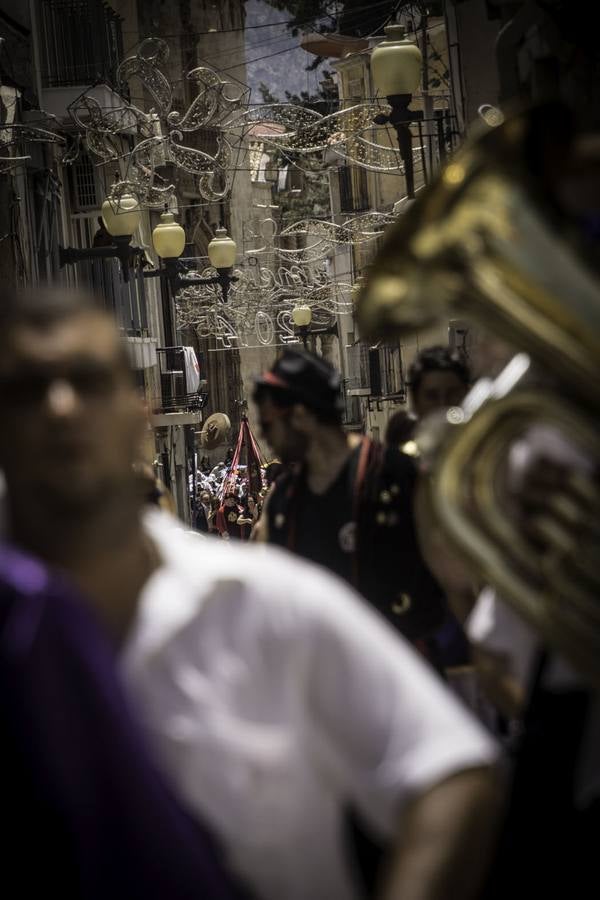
396 66
302 317
121 217
168 240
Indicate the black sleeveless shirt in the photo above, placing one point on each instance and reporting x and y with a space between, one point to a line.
323 521
362 529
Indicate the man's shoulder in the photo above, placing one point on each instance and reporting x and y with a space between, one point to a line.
389 478
243 595
281 485
393 460
233 591
264 572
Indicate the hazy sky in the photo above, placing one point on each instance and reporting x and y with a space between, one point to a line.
285 69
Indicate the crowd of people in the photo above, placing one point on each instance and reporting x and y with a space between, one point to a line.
270 711
282 711
230 511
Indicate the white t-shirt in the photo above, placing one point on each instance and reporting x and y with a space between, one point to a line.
275 698
493 623
496 626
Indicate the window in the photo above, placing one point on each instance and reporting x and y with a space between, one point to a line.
85 194
126 300
360 189
358 366
365 375
375 379
386 372
356 88
345 184
81 42
354 195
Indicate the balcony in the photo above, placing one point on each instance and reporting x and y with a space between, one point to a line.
376 376
177 405
81 44
125 300
352 414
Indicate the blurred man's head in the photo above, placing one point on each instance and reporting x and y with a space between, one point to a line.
73 420
400 428
299 395
438 378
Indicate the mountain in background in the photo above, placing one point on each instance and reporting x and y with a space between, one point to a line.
284 69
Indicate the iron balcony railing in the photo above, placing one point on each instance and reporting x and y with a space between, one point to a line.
125 300
81 42
352 414
175 393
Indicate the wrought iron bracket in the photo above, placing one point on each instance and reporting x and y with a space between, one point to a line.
121 249
400 118
172 272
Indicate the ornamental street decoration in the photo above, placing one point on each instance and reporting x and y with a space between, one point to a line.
259 309
273 280
348 133
165 135
207 141
15 136
317 237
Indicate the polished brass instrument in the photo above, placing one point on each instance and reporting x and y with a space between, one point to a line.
487 241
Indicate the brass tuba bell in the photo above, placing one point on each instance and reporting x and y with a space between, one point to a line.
488 241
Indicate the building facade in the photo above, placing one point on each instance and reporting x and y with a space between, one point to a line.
51 53
375 376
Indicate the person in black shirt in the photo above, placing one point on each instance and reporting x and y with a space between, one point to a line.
203 516
438 378
345 502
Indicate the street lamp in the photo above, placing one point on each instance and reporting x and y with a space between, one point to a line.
302 317
396 66
121 218
168 240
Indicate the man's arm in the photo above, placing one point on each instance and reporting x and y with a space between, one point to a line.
501 688
414 765
446 840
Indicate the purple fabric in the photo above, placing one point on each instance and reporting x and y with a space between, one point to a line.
87 813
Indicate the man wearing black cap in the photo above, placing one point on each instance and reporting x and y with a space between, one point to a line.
346 503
